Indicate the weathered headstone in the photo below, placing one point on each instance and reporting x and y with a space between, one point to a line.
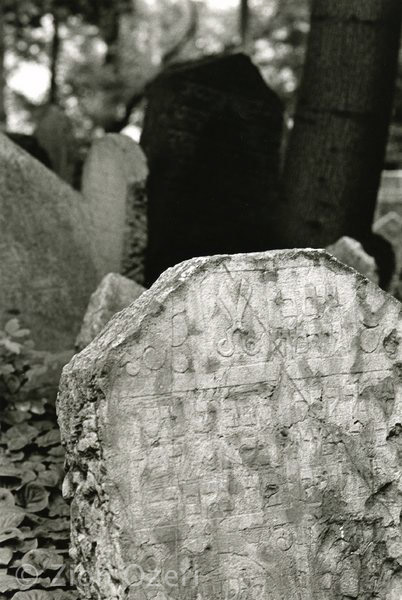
55 134
46 268
236 433
114 293
390 194
352 253
390 228
113 181
212 135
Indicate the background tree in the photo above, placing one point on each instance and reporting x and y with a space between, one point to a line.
337 147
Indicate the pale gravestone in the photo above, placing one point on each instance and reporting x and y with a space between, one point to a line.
47 271
113 182
390 228
55 135
114 293
212 135
390 194
236 433
352 253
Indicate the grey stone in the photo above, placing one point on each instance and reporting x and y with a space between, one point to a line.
390 194
389 227
47 271
114 293
236 432
352 253
55 135
113 182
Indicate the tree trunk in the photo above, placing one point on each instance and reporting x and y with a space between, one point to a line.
337 147
54 60
3 116
244 28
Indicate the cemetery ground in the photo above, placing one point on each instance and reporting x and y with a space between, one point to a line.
194 403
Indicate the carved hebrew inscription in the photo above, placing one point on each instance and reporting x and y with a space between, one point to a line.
250 435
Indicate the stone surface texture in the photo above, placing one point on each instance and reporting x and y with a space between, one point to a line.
389 227
113 181
114 293
55 135
47 272
212 134
352 253
236 433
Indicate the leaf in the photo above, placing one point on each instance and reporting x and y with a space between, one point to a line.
42 559
8 583
49 438
34 595
11 346
35 497
12 534
6 555
26 545
10 482
6 499
12 327
11 518
20 435
49 478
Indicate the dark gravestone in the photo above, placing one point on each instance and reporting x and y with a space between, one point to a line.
212 137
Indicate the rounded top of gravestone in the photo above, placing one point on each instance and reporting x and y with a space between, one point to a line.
123 150
229 73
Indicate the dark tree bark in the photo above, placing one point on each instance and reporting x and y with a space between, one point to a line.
3 116
244 19
54 60
337 147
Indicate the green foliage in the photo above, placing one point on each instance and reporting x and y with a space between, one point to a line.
34 519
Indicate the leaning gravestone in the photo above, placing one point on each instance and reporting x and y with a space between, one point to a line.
352 253
55 134
47 272
236 433
114 293
113 182
390 228
212 135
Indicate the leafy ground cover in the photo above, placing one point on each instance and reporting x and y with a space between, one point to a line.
34 519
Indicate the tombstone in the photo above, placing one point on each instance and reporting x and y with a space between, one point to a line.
47 272
55 134
352 253
236 432
390 194
114 293
113 182
212 135
390 228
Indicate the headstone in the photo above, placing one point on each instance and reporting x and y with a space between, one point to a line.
390 194
212 135
114 293
390 228
47 273
55 134
352 253
113 181
236 433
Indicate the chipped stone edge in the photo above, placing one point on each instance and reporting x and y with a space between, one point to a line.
94 517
